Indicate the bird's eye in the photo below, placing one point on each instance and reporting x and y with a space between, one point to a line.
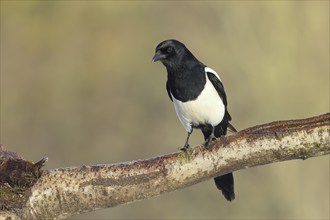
169 49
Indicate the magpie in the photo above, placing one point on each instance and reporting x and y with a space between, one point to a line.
199 99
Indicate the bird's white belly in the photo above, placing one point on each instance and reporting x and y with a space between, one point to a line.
208 108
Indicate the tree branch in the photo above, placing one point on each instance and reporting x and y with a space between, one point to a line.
63 192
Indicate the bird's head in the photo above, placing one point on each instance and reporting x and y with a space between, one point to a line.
171 53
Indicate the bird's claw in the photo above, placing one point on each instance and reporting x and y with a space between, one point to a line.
185 147
209 140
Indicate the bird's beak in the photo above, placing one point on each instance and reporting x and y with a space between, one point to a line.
158 56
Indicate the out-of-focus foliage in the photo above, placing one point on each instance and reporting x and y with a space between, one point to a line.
78 86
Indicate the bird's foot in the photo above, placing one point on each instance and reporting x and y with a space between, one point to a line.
209 140
185 147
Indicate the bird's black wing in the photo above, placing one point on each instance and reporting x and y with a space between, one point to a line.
221 92
168 90
218 86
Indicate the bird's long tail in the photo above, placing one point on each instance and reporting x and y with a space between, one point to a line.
225 183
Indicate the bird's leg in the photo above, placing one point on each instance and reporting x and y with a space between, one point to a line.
211 137
186 145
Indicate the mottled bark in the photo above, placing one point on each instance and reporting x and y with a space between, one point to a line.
63 192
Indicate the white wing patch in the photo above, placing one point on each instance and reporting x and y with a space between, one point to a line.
208 69
208 108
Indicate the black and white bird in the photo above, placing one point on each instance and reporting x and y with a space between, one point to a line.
199 99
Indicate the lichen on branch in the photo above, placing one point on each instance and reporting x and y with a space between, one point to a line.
62 192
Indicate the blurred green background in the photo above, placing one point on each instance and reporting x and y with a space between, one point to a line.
78 86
